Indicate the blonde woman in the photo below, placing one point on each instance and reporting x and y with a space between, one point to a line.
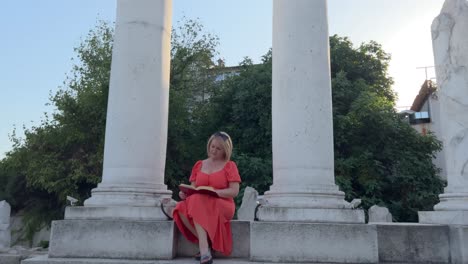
205 219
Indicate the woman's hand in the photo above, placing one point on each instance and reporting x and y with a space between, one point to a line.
182 195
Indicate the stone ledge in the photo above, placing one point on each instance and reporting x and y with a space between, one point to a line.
115 239
10 259
114 213
459 244
414 243
45 260
313 242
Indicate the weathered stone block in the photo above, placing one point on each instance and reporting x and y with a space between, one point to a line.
10 259
5 233
413 243
379 214
249 203
240 241
114 239
5 239
459 244
5 210
313 242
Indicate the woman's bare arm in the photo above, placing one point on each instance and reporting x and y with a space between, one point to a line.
229 192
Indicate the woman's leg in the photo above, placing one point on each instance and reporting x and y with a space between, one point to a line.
187 224
202 240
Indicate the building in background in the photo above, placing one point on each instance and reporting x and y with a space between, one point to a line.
424 116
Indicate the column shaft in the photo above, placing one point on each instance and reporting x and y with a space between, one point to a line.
303 160
136 128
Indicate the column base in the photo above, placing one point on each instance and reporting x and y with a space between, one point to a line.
444 217
141 213
124 195
310 215
452 202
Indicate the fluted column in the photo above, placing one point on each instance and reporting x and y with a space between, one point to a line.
137 114
303 187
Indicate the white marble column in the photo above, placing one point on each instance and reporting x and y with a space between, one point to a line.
450 44
136 128
303 187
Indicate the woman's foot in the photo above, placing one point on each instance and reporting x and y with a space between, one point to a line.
198 255
206 259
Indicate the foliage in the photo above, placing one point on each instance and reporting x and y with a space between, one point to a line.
378 156
63 155
192 55
242 107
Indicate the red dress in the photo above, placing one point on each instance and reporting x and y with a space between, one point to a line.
212 213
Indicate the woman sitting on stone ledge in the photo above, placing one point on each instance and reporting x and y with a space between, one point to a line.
203 218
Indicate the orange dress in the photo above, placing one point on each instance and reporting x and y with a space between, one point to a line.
212 213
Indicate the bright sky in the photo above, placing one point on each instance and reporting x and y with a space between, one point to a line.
38 37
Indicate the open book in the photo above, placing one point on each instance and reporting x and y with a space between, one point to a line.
189 190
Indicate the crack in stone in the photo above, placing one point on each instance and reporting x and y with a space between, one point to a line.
457 101
459 137
465 165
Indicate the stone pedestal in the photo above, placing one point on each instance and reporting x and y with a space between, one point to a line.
459 244
313 243
10 259
303 187
113 239
413 243
240 243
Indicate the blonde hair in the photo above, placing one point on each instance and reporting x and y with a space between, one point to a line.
226 142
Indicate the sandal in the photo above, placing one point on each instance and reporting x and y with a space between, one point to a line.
164 212
198 255
206 259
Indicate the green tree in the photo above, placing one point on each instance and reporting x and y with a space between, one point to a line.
242 107
192 83
378 156
64 154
